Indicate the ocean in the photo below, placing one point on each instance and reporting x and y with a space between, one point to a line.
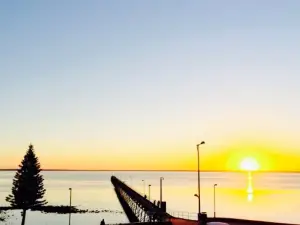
259 196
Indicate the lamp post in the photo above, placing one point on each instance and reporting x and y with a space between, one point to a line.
149 191
144 183
161 179
197 196
215 200
199 204
70 189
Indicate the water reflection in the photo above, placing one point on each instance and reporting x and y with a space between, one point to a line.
250 187
250 197
275 195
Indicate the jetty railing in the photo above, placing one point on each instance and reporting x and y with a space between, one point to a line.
137 207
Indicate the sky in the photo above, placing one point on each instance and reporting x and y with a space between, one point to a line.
137 84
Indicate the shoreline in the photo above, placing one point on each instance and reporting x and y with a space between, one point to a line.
62 209
203 171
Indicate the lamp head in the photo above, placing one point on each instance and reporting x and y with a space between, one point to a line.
201 143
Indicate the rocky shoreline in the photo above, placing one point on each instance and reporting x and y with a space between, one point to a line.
59 209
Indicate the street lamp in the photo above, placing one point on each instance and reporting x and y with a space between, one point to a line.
197 196
70 189
149 191
199 205
161 179
215 200
144 183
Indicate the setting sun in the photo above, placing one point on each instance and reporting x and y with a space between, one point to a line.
249 164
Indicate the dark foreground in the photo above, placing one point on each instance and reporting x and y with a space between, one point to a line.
231 221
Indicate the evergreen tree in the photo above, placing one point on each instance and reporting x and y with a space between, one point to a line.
28 189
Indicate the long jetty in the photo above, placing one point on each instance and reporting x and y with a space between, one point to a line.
137 207
139 210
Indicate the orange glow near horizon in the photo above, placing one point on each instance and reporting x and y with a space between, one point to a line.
212 158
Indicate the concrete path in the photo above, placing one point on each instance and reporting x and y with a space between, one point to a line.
178 221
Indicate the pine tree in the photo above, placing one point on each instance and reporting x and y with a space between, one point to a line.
28 188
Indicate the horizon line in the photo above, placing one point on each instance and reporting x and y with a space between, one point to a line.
155 170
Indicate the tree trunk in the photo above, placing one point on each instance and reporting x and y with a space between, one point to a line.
23 216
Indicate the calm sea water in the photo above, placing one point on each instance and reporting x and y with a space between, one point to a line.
262 196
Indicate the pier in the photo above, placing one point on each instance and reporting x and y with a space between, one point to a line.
137 207
141 211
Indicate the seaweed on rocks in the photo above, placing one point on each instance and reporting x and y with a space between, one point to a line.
59 209
63 209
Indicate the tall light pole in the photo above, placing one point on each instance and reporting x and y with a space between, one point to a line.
149 191
197 196
215 200
199 204
161 179
144 183
70 189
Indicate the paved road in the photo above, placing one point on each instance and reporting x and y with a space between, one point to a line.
193 222
178 221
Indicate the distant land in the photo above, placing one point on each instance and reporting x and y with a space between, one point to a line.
132 170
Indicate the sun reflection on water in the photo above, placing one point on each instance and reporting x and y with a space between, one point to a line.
250 187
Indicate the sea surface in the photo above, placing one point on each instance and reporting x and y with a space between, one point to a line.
259 196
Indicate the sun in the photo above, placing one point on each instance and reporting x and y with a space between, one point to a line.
249 164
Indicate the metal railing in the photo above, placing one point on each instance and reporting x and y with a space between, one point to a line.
184 215
136 207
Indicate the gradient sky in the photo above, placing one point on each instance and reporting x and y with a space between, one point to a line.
137 84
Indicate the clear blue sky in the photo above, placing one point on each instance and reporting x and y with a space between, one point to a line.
142 77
